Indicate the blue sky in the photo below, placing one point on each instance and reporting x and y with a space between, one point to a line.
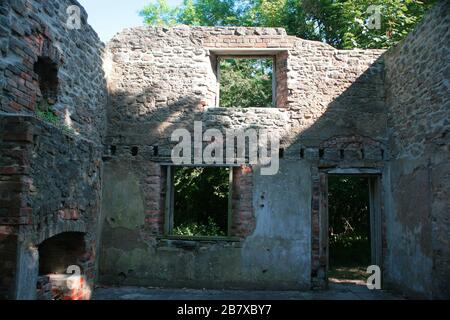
108 17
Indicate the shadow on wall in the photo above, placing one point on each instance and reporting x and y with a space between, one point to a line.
144 121
140 126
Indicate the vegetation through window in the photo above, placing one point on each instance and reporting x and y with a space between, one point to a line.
200 201
349 227
246 82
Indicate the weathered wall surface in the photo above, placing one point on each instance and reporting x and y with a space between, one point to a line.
164 78
161 79
418 219
49 177
34 28
50 184
334 109
134 251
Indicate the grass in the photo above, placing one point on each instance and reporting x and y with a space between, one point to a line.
348 273
50 116
198 229
349 258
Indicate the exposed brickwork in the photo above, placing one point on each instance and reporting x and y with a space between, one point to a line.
49 180
54 287
50 184
31 29
334 109
152 184
243 218
316 266
173 95
15 135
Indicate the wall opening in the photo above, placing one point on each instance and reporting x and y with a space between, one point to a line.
246 82
47 72
60 268
57 253
198 201
350 237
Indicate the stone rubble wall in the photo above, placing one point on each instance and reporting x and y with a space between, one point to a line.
50 176
33 28
162 79
418 90
105 176
50 184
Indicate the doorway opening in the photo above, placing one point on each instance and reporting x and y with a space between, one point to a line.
350 232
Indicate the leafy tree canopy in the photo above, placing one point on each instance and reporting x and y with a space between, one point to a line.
246 83
341 23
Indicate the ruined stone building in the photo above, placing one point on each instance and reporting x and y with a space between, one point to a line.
92 189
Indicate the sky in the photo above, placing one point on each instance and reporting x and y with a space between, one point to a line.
109 17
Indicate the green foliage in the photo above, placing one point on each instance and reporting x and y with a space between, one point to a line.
215 12
159 13
196 229
341 23
246 83
201 201
348 208
45 113
344 23
47 116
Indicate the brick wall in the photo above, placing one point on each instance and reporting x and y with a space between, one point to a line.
49 175
50 184
31 29
243 219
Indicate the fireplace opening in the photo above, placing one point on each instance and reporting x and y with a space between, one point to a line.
59 252
60 268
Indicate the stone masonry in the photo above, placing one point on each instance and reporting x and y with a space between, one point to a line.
50 179
101 174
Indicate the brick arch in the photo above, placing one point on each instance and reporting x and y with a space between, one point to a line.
53 230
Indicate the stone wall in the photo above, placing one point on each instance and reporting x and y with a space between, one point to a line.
161 79
30 29
50 184
164 78
100 172
50 174
418 225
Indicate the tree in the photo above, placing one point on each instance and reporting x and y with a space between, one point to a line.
215 12
246 83
341 23
159 13
201 200
349 226
345 23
